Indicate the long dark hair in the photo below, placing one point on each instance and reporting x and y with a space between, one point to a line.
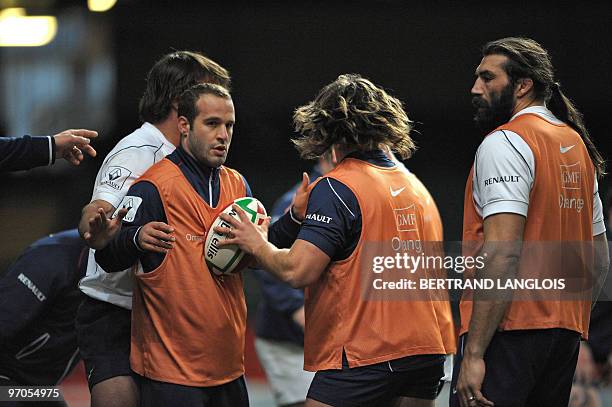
528 59
171 76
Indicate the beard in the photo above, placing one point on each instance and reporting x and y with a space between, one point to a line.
491 115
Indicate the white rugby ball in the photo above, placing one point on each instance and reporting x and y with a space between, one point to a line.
227 259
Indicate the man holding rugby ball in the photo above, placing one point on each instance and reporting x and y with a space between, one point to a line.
188 325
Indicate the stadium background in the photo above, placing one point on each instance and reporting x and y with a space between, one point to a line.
280 54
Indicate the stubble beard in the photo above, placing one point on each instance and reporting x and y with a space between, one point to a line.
203 154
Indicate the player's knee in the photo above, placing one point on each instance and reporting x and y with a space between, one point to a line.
314 403
120 391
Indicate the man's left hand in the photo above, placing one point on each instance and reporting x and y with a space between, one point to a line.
300 198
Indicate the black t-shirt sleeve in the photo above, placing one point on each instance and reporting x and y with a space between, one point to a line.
23 153
333 219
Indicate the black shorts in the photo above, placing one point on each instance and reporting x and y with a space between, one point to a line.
376 385
160 394
103 334
526 368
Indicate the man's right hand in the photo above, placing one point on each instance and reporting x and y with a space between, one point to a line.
586 370
71 144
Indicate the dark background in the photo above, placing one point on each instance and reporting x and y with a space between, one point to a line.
281 54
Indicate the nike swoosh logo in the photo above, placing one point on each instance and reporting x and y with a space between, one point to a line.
396 192
564 150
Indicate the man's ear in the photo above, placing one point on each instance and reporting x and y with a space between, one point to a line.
183 126
523 87
334 158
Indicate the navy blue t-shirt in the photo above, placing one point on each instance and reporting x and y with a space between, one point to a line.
39 297
333 216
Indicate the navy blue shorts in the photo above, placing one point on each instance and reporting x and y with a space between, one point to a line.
526 368
103 334
161 394
376 385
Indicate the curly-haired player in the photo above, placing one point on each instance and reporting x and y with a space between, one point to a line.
365 352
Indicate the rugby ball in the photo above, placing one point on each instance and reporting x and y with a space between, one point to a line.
229 259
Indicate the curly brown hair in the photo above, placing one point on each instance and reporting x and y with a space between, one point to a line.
354 114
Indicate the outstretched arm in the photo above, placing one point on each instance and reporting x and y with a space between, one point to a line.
23 153
298 266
